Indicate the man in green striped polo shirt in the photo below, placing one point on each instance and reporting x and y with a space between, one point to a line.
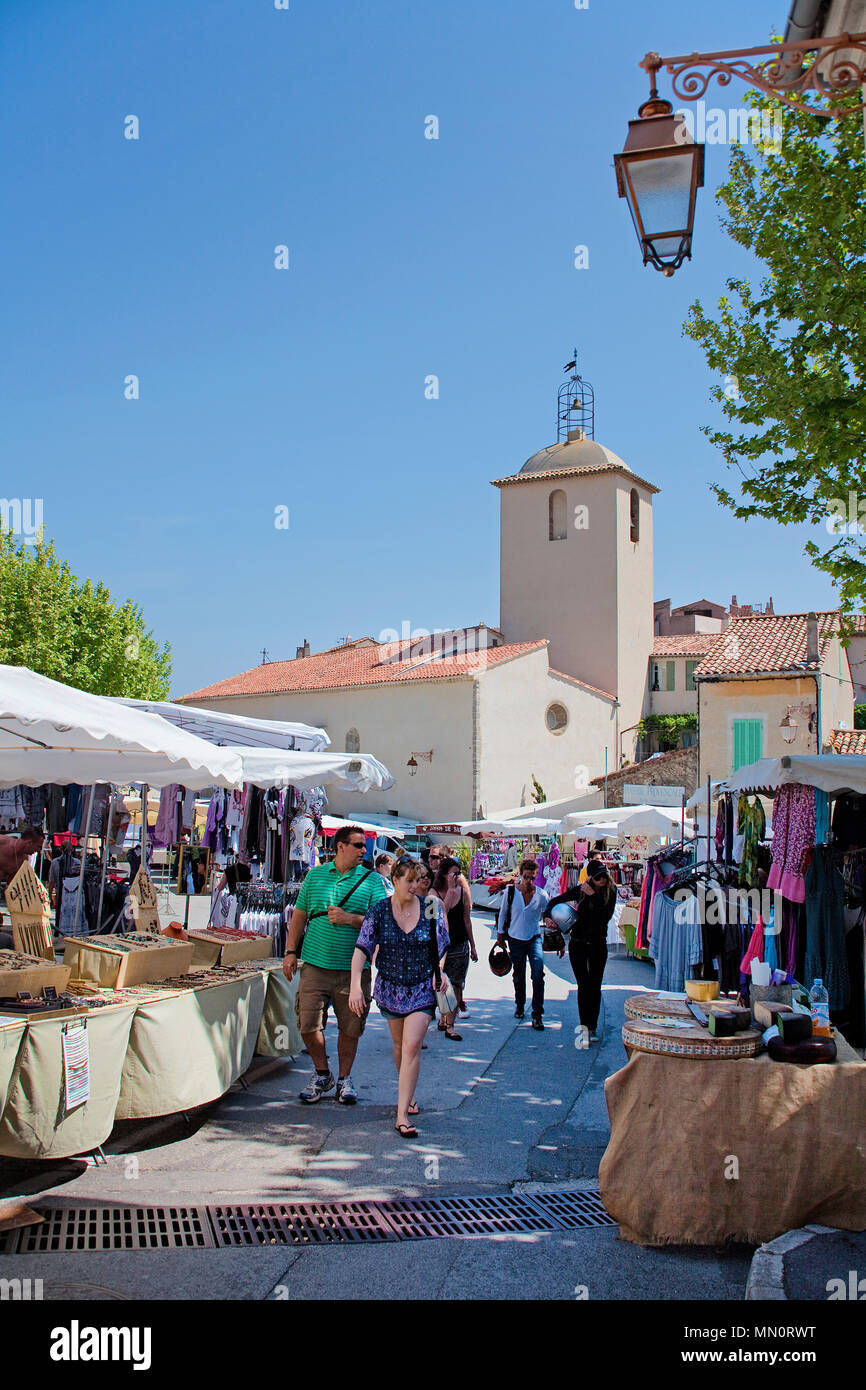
332 904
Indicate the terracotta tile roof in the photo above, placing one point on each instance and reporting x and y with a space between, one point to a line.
593 689
361 663
765 644
686 644
848 741
575 472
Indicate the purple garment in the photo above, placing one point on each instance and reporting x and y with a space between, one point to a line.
208 839
404 970
165 830
793 835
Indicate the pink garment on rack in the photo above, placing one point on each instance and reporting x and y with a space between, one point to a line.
755 948
793 835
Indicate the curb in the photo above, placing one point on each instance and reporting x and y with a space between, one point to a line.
766 1280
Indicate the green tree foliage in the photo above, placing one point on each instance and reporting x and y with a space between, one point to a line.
792 348
71 629
537 791
668 727
860 716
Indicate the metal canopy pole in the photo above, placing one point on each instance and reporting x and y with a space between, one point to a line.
105 840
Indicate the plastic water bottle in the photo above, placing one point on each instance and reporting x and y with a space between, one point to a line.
819 1000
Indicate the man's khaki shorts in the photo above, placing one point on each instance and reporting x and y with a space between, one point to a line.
318 988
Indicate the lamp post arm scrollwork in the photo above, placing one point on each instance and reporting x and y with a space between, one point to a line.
838 70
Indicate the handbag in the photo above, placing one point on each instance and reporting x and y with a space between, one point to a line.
446 999
552 940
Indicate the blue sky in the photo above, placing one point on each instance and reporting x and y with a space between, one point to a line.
304 388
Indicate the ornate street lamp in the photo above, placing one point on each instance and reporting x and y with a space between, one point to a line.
661 167
659 173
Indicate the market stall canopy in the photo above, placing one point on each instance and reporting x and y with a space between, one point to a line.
51 732
532 826
655 817
699 797
830 772
655 820
234 730
331 824
354 772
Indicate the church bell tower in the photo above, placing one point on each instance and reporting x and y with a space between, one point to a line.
576 555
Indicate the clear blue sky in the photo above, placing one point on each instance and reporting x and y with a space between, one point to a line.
408 257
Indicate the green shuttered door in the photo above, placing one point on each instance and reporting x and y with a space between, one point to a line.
747 742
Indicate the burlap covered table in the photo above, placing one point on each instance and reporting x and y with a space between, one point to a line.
33 1122
11 1034
279 1035
702 1152
188 1048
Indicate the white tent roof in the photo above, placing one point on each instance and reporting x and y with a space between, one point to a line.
234 729
532 826
699 796
51 732
355 772
831 772
333 823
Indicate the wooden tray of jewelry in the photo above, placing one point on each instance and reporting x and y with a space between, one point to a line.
116 961
20 972
228 946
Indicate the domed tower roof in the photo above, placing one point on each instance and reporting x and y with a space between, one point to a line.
575 455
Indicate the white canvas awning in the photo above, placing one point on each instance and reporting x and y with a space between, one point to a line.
354 772
50 732
331 824
235 730
532 826
830 772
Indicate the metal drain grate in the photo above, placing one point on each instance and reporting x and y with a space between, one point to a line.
117 1228
305 1223
420 1218
573 1210
301 1223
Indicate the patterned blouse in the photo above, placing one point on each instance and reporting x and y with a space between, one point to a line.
404 965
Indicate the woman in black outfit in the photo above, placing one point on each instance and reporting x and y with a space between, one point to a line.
594 902
448 888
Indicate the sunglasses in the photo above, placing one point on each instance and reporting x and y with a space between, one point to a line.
357 844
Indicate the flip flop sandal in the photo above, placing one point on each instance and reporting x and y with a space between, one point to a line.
441 1026
407 1131
454 1037
413 1109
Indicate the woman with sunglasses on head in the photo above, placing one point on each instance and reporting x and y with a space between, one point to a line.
594 901
406 937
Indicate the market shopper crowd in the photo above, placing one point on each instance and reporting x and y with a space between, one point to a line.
412 921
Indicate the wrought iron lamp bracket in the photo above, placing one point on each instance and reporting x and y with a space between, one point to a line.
767 69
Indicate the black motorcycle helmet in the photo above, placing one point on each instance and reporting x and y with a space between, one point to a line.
499 960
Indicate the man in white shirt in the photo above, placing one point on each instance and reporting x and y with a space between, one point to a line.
523 906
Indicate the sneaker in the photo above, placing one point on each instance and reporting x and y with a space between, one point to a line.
518 1013
581 1038
463 1011
346 1093
595 1035
538 1025
318 1087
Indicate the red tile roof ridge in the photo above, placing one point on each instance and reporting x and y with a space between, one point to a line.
585 685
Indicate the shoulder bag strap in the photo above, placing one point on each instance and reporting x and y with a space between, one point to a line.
511 892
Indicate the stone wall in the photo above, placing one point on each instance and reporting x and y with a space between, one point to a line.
678 768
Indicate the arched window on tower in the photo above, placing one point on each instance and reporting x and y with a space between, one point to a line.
557 528
634 510
353 741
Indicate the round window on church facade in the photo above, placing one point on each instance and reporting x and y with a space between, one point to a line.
556 718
